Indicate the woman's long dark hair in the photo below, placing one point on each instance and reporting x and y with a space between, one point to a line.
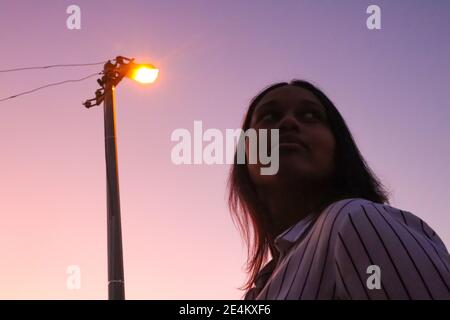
352 179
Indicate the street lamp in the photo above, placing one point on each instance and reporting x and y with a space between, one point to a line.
145 73
113 73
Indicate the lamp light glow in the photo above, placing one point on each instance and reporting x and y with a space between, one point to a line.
144 73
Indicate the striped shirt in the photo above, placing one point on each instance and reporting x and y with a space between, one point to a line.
356 249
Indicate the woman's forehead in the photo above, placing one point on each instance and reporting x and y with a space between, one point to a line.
289 94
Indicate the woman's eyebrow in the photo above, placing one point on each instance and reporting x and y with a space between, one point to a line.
313 104
265 105
303 102
309 102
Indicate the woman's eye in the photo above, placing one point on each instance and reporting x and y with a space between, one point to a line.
310 115
269 116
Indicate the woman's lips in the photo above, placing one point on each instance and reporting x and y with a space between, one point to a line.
292 142
291 146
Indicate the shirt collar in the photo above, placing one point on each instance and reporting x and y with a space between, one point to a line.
285 240
264 274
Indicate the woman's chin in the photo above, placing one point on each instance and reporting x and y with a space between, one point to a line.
289 172
293 165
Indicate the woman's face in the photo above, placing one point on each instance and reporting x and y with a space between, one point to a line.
306 143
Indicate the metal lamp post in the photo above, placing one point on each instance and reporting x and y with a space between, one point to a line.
113 73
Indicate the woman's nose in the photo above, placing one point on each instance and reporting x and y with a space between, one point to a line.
289 122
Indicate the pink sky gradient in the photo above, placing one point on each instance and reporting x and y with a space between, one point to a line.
391 85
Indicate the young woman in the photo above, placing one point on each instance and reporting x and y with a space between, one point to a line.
324 218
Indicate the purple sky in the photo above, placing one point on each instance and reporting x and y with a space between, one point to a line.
391 85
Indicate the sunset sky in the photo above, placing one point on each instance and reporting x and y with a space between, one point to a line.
391 86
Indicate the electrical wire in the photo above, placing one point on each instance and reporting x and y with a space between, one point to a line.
54 66
49 85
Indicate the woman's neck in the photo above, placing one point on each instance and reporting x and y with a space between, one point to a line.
287 204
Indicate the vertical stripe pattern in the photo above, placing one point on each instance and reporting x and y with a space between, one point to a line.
357 249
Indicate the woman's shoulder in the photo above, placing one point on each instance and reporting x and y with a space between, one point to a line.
339 211
412 258
362 216
356 207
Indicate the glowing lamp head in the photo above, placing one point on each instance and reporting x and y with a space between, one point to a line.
144 73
